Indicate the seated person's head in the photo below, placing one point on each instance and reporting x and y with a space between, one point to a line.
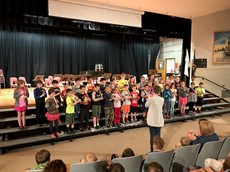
116 167
154 167
127 153
89 157
42 156
206 127
158 143
177 167
226 164
185 141
56 166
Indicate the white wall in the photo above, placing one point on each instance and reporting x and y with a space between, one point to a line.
203 29
171 48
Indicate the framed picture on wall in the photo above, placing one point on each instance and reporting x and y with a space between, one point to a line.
221 48
160 64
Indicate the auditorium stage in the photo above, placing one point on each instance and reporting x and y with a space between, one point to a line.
7 100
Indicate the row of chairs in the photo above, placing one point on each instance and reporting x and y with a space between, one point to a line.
14 81
187 155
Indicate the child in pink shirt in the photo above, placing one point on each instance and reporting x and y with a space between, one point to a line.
117 105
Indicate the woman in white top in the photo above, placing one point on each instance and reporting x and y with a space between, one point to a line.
155 118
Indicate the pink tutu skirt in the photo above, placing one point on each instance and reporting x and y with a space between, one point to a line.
52 117
20 109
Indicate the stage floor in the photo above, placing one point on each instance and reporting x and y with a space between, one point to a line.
7 100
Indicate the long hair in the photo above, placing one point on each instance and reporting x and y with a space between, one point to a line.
19 83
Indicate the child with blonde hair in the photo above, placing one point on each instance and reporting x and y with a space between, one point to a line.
184 141
89 157
126 103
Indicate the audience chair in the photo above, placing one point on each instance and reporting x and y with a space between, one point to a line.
209 150
57 78
24 79
186 155
48 83
51 78
131 164
224 149
2 78
163 158
97 166
13 82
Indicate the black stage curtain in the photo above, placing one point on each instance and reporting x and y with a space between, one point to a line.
29 54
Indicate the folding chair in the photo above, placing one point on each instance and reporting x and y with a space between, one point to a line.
131 164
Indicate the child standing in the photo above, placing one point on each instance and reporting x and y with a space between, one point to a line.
200 91
161 84
134 103
21 94
70 103
97 97
89 86
126 103
108 107
117 106
76 89
52 112
113 84
192 98
167 95
144 96
141 85
122 82
57 91
40 95
84 107
102 85
173 99
182 97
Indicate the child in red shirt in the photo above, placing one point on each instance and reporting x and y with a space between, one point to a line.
134 103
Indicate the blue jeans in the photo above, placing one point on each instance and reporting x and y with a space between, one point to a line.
77 110
154 131
172 108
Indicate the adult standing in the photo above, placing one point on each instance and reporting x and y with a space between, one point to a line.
155 118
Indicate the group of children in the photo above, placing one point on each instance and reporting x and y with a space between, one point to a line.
193 96
112 99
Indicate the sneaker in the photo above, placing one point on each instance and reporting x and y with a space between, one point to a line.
68 131
93 129
53 136
105 128
25 127
97 127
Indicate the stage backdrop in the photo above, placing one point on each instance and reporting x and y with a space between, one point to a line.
29 54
